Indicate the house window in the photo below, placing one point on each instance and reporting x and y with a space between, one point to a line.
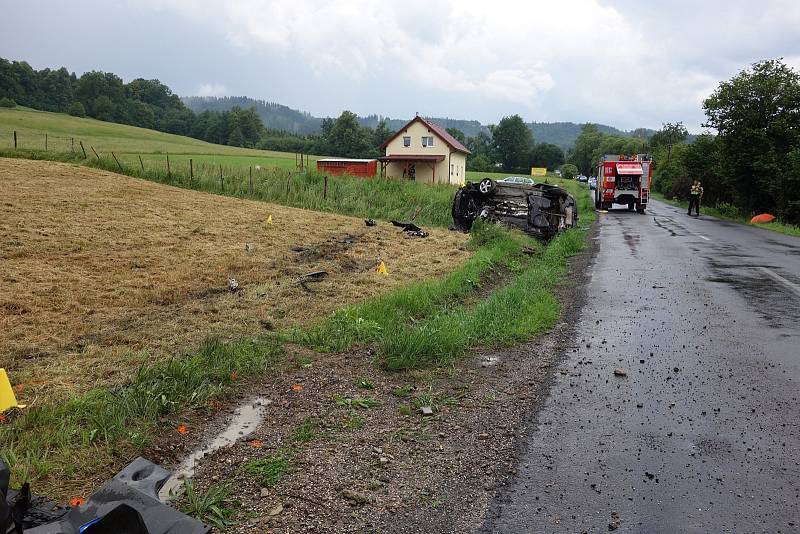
406 140
427 141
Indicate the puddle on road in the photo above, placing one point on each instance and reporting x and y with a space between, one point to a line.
768 298
245 420
490 360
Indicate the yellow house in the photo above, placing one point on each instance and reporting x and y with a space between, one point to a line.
424 151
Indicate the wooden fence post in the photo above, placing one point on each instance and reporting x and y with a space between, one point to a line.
221 179
325 190
95 152
141 162
251 180
288 179
169 172
72 146
83 149
115 159
191 171
45 142
15 139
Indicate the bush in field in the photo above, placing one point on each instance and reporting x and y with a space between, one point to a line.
76 109
480 163
7 103
726 209
569 171
679 187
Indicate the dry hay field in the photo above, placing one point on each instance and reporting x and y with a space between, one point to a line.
100 272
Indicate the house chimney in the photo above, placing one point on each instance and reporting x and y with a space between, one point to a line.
416 113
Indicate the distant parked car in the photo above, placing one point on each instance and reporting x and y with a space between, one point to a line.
582 178
517 180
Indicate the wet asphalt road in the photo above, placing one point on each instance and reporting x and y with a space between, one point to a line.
703 434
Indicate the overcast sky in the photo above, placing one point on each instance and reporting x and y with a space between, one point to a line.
625 63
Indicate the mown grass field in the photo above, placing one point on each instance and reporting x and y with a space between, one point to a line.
99 269
127 142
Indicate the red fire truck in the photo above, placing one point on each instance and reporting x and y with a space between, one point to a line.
624 180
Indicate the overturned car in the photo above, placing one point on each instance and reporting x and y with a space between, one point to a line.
541 210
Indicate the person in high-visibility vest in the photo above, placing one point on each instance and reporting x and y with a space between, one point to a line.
695 194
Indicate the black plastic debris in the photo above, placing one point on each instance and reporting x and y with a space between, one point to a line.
417 233
370 222
316 276
407 226
126 504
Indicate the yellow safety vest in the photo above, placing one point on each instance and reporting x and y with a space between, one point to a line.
695 189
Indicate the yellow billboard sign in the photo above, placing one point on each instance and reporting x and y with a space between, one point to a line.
538 171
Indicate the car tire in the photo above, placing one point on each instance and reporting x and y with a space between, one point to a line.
487 186
464 210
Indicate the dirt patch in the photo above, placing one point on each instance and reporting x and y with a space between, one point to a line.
102 272
372 461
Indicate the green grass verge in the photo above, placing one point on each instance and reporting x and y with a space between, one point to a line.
432 324
775 226
87 434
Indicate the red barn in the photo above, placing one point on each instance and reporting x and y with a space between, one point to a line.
353 167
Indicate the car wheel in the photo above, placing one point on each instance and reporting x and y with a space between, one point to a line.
464 210
487 186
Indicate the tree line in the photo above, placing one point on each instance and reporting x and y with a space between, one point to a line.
151 104
752 164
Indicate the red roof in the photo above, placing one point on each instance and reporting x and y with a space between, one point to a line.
451 141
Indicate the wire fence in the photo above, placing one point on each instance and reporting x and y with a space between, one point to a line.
33 140
298 187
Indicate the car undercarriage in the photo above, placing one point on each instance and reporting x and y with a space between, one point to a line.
541 210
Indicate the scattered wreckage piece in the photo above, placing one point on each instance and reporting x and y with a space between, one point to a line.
411 229
407 226
370 222
127 503
316 276
541 210
417 233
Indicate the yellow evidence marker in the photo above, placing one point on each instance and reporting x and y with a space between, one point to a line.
382 269
7 397
269 219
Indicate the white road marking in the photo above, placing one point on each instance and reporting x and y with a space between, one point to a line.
775 276
704 237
